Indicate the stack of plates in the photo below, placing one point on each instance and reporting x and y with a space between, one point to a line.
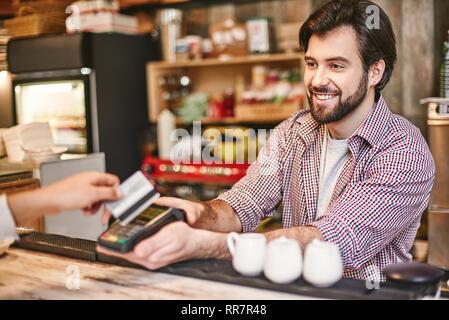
24 138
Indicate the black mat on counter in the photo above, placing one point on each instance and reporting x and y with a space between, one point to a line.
222 271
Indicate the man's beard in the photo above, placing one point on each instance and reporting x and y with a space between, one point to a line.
343 108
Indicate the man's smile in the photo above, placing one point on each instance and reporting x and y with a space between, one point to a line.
325 97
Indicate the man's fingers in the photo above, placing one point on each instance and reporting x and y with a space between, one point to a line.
131 257
160 240
187 206
106 216
148 246
171 202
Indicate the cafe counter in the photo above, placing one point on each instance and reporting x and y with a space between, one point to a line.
27 274
46 266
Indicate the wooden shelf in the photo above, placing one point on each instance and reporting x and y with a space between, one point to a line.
261 58
233 120
6 8
125 4
213 76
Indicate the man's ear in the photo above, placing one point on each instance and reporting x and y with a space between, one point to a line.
376 72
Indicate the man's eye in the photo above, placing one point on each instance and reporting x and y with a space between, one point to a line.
337 66
311 64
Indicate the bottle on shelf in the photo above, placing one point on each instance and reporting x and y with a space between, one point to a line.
228 102
166 124
185 86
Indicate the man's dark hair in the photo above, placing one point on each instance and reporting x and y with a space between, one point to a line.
374 43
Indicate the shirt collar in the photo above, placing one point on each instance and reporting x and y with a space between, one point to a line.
371 130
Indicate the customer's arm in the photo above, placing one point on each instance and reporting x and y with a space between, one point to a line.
84 191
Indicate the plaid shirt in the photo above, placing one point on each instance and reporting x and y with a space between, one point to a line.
376 207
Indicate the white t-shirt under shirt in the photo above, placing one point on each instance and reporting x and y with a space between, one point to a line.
333 157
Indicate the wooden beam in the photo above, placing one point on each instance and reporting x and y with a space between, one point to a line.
6 8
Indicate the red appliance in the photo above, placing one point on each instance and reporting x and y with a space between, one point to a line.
192 181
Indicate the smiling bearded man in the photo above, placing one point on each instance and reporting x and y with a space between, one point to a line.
347 171
320 97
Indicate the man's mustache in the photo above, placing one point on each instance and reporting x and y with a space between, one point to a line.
323 90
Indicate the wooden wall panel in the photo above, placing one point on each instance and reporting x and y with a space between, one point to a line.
196 22
221 12
272 9
246 10
296 10
441 8
418 58
393 91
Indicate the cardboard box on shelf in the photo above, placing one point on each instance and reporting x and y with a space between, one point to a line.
287 36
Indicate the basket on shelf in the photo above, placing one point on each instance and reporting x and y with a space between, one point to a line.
40 6
34 18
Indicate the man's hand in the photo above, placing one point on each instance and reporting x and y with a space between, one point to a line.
173 243
193 210
181 241
212 215
84 191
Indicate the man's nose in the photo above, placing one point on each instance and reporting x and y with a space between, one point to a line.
320 78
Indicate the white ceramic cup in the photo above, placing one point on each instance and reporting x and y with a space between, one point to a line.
322 264
248 252
283 261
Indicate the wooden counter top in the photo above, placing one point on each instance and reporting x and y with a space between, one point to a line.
26 274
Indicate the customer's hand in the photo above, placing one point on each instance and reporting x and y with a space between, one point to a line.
173 243
85 191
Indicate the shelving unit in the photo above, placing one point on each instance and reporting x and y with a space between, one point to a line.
212 76
124 4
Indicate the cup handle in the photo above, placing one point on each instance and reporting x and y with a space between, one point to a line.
232 238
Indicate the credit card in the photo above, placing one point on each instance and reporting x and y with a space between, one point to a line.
138 194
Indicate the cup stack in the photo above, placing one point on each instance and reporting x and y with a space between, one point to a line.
31 136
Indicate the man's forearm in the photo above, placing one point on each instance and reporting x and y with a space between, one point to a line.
219 216
304 235
214 244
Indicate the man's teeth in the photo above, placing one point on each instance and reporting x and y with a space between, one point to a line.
325 96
